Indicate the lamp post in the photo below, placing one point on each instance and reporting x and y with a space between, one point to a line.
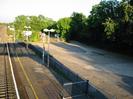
47 30
43 35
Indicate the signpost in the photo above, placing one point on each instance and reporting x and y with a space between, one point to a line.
43 35
27 33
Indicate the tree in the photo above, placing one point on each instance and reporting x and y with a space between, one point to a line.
63 27
110 27
78 23
20 22
125 32
37 23
99 15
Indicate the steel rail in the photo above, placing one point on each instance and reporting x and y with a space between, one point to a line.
13 76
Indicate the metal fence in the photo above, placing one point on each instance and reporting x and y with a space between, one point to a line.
67 73
75 89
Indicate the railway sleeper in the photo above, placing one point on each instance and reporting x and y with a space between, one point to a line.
10 93
2 93
5 86
7 97
9 89
1 90
3 96
2 86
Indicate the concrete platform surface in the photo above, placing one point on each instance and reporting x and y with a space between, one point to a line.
110 72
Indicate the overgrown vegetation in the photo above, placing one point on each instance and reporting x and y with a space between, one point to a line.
37 23
109 24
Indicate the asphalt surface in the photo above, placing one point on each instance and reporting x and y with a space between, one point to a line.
110 72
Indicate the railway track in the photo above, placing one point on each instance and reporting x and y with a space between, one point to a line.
50 87
8 88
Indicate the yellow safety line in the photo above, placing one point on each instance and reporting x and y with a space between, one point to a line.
27 78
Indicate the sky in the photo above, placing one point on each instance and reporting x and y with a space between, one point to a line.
54 9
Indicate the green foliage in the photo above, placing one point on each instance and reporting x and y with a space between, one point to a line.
109 22
37 23
78 24
63 27
20 22
110 27
35 36
40 22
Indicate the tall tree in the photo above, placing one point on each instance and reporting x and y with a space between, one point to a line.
35 22
63 27
77 25
110 27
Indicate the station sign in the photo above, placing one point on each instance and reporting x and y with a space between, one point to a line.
27 33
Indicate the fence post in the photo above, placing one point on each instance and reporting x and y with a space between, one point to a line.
87 87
